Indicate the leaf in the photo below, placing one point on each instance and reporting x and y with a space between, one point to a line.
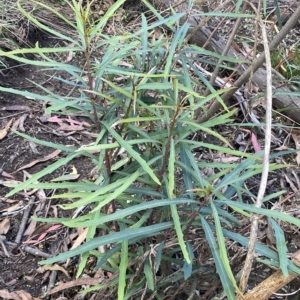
179 233
56 268
45 158
112 237
262 211
47 170
226 283
159 255
148 274
4 131
119 214
188 268
260 248
4 225
123 267
222 247
281 247
133 153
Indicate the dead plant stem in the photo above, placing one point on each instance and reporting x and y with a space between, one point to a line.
265 172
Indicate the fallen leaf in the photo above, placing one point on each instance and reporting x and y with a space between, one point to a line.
24 295
71 121
77 282
22 120
32 225
54 119
255 143
3 132
15 207
4 225
39 230
66 177
5 294
81 237
18 295
44 234
56 268
47 157
4 174
64 127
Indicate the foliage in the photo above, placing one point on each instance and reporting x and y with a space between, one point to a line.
150 188
287 62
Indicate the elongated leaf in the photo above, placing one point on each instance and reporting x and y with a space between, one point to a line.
188 267
121 214
149 274
179 233
281 247
120 190
226 283
113 237
159 255
45 143
133 153
123 267
235 173
102 190
222 247
171 169
262 211
219 148
110 12
37 176
176 40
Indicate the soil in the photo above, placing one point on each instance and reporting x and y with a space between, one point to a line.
21 271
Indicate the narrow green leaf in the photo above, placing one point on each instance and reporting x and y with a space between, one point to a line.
133 153
159 255
261 249
37 176
188 268
45 143
177 225
261 211
113 237
222 247
120 190
123 213
171 169
123 267
226 283
281 247
148 274
102 21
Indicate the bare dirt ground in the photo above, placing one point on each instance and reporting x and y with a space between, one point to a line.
20 271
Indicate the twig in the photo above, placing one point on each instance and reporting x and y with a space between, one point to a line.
265 172
31 250
2 239
24 220
52 280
